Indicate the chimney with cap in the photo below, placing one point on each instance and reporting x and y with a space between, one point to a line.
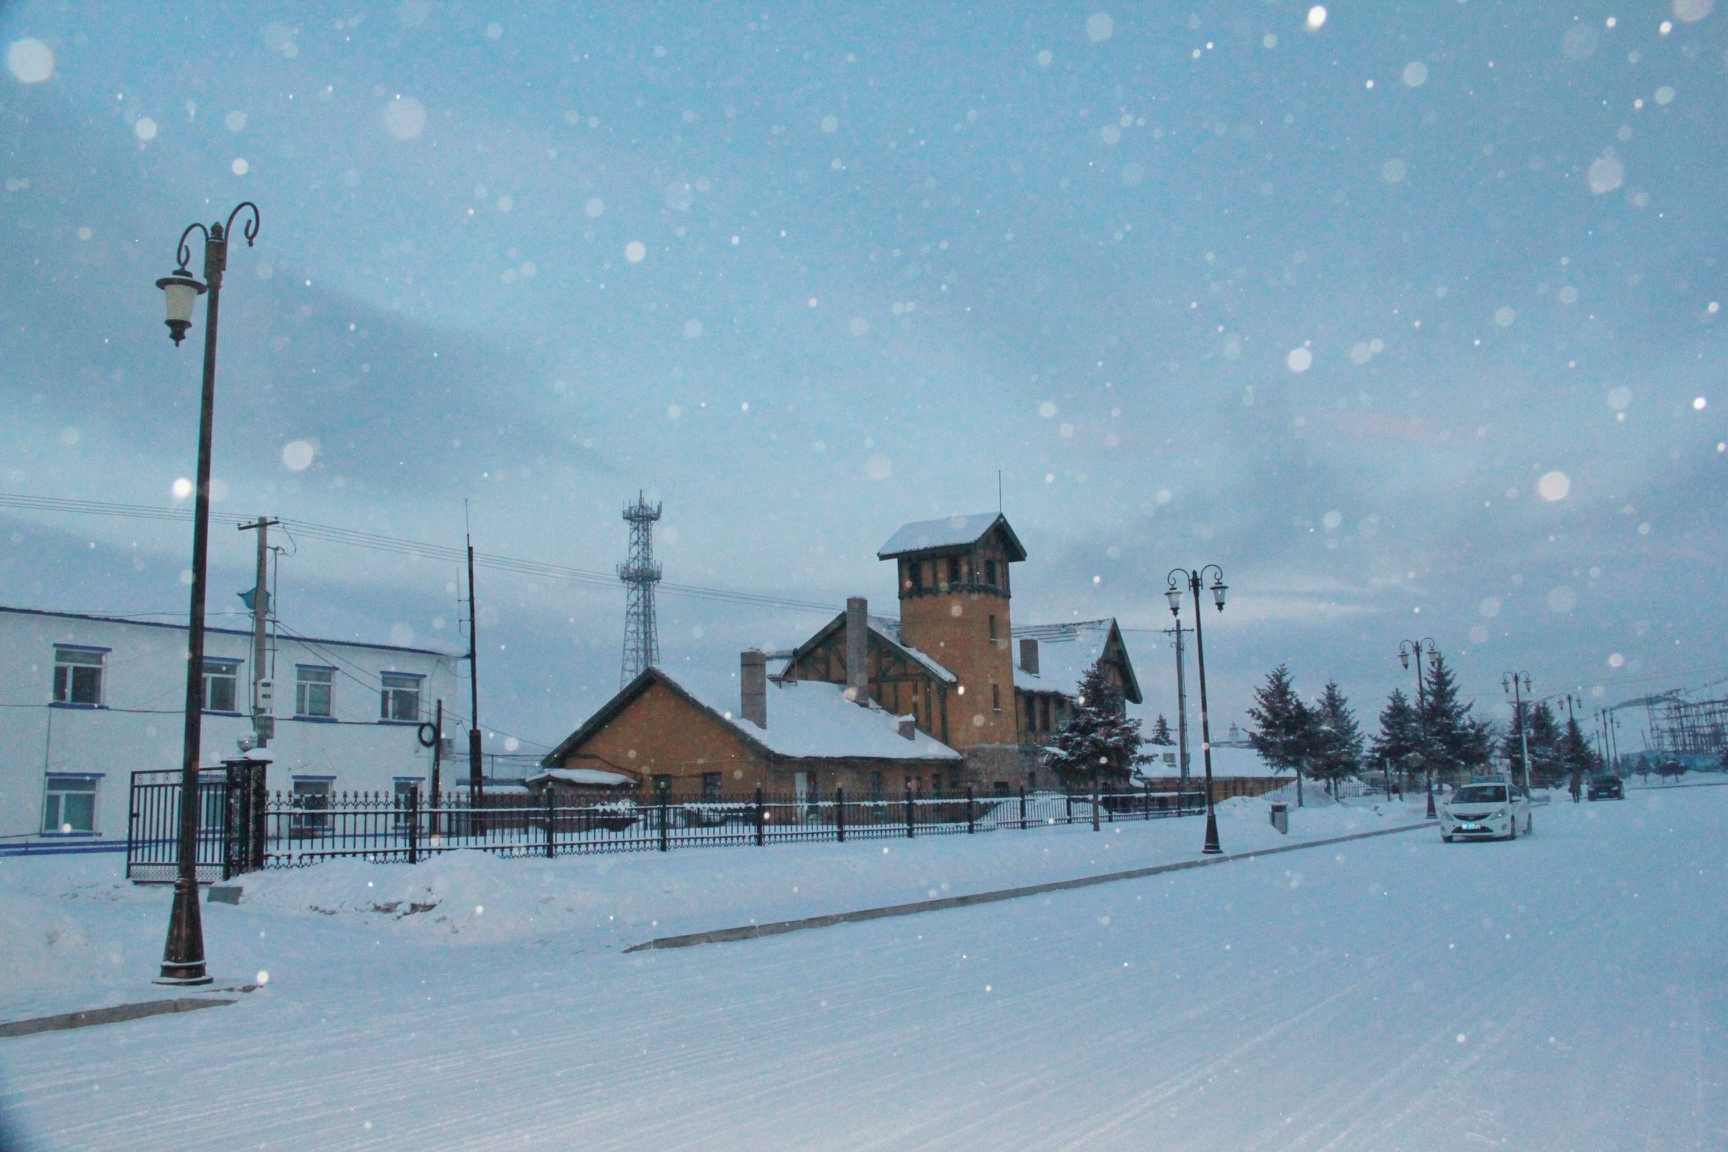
753 687
857 648
908 727
1029 655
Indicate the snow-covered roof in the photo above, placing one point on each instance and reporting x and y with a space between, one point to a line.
583 777
888 628
1065 651
949 532
806 718
813 718
1226 761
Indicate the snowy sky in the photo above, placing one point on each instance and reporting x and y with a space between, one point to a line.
1406 316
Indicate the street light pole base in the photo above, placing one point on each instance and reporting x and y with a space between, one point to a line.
1432 815
1213 848
181 981
183 956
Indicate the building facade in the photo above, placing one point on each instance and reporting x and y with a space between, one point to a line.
944 675
89 699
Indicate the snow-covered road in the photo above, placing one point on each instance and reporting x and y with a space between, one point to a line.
1569 990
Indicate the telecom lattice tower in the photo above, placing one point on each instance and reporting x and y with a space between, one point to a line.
640 573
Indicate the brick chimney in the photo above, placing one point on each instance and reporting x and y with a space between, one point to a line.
1029 655
907 727
753 687
857 649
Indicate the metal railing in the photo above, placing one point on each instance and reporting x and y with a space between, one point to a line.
287 830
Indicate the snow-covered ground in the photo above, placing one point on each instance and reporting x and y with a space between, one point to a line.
1563 991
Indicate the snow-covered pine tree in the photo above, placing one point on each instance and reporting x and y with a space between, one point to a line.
1161 733
1337 741
1454 742
1284 729
1544 736
1099 737
1400 734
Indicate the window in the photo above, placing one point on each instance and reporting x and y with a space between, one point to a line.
662 785
71 804
875 785
401 696
221 684
996 696
990 573
710 785
78 675
916 568
953 569
992 628
311 808
312 691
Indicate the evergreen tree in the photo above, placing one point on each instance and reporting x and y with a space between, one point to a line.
1335 740
1400 733
1284 727
1455 743
1161 733
1545 767
1575 756
1099 737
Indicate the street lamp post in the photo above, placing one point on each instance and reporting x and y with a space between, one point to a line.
1509 683
183 955
1177 578
1416 648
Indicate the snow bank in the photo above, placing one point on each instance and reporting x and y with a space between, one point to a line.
74 932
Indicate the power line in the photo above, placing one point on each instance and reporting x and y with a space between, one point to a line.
380 543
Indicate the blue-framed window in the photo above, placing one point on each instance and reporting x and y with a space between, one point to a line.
314 691
400 698
221 684
70 805
78 674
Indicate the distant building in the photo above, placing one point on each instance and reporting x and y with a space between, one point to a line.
90 699
945 673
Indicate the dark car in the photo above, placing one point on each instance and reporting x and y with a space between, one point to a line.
1606 788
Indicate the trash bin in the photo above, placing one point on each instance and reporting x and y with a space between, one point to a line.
1281 818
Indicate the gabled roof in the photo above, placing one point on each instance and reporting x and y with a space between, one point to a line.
951 532
1065 651
806 718
885 627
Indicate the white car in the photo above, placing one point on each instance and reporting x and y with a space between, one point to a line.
1486 809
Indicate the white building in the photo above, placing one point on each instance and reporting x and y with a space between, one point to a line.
87 700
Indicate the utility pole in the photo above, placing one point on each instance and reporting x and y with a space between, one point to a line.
263 721
1181 708
476 779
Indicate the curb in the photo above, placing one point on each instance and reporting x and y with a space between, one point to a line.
112 1015
780 927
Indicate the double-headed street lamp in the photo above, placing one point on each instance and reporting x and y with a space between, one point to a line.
183 955
1177 578
1509 683
1419 648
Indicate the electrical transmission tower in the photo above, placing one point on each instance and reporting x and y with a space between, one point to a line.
640 573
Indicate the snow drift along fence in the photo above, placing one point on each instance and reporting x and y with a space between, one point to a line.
287 830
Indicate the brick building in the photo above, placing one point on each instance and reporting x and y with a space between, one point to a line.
950 693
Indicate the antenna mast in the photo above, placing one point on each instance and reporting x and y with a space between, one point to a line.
640 573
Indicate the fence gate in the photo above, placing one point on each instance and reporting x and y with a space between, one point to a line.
231 824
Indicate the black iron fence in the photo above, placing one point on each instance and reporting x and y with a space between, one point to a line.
291 830
232 824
